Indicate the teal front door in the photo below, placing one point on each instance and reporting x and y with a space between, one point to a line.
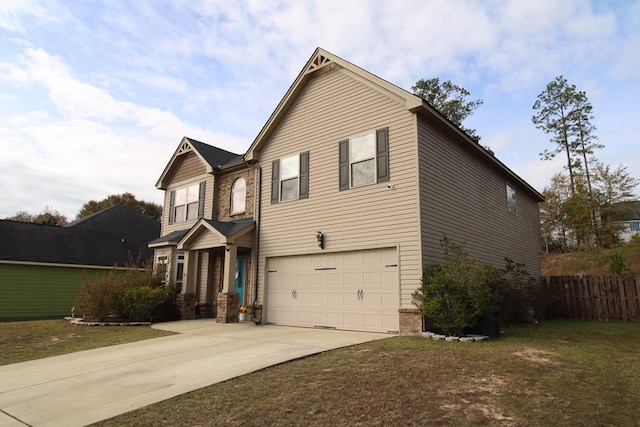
241 278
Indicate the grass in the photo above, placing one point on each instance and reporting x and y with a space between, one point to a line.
561 373
22 341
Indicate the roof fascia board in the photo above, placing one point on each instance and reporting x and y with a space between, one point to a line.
196 229
428 111
161 184
308 72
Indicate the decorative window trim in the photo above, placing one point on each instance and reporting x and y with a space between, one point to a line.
512 199
278 177
380 160
236 205
176 197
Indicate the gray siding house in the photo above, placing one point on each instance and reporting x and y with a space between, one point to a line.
329 217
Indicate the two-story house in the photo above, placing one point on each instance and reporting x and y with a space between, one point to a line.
340 201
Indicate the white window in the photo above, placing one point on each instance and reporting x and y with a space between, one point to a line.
362 159
511 199
289 178
238 196
185 203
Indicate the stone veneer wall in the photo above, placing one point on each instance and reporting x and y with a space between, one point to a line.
222 207
227 308
410 322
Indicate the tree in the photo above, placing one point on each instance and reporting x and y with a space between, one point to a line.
450 100
555 111
47 216
567 217
150 209
614 188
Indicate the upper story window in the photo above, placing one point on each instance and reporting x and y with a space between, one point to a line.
290 178
364 159
238 196
186 203
511 199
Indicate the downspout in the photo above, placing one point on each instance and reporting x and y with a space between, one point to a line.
256 210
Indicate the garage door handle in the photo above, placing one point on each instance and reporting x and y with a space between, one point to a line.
360 294
294 294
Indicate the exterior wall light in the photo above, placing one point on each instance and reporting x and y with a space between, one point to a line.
320 239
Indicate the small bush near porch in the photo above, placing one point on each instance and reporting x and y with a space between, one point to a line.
132 294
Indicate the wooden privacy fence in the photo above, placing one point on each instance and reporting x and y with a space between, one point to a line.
595 297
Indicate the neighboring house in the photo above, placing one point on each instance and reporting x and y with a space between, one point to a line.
629 220
42 266
330 216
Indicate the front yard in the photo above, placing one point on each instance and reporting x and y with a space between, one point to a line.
568 373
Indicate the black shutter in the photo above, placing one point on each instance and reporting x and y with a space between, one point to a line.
382 154
275 181
203 185
172 198
304 175
343 155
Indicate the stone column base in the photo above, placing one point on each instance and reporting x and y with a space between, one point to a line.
186 306
410 321
228 304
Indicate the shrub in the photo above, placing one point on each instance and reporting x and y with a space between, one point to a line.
456 293
100 297
134 294
140 303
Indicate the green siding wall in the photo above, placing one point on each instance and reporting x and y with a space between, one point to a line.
28 291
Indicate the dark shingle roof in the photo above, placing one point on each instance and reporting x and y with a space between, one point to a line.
112 236
215 156
229 228
171 238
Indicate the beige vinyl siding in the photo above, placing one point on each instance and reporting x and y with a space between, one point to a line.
333 107
189 165
208 203
246 241
464 196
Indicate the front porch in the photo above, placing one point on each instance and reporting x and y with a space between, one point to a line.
216 277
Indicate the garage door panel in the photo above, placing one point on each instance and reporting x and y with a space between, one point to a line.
356 290
335 279
318 298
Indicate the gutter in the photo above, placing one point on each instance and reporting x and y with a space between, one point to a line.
256 210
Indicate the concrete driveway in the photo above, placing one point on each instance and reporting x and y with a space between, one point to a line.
85 387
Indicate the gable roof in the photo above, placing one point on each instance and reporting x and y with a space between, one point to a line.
321 59
225 232
212 157
114 235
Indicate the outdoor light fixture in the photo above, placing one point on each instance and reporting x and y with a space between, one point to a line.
320 239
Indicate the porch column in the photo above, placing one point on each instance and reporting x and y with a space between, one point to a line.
187 297
227 299
190 272
230 257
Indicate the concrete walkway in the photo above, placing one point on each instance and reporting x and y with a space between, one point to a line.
88 386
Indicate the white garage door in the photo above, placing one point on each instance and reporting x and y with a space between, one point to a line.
355 290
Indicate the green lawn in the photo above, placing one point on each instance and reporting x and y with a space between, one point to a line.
562 373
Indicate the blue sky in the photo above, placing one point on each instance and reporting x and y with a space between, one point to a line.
95 96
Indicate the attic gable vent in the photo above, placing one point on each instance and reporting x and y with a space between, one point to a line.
318 62
185 147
